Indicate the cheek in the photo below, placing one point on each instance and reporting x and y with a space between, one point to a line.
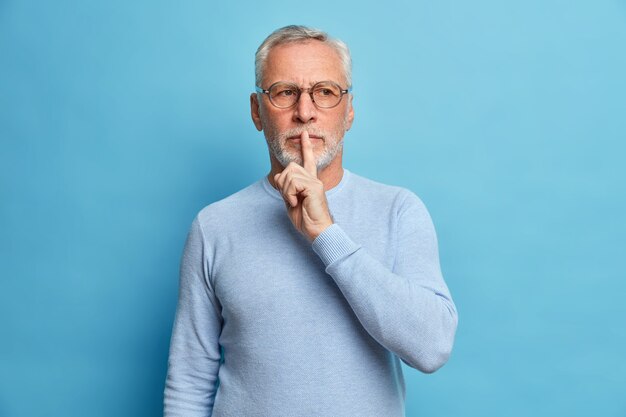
272 121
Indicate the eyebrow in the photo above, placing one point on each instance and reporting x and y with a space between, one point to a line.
310 85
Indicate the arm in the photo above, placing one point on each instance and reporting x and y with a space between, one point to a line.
408 310
194 357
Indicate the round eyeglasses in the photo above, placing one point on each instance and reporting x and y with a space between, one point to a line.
325 94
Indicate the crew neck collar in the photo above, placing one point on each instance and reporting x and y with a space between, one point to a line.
329 193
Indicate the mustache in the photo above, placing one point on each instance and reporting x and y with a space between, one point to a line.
297 131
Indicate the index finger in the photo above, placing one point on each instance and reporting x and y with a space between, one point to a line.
308 158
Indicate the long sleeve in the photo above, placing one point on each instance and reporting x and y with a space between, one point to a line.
194 357
407 309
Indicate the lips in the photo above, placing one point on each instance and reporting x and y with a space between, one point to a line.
312 137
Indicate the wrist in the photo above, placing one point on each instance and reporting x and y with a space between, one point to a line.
318 230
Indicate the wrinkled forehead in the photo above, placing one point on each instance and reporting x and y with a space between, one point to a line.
303 63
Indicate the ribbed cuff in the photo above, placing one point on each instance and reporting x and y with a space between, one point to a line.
333 244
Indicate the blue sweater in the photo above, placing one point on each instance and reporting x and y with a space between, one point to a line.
268 324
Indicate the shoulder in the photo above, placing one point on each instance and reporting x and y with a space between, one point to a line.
392 196
239 205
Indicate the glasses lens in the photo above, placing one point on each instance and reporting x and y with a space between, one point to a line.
283 95
326 94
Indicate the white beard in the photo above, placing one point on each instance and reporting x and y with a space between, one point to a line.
277 144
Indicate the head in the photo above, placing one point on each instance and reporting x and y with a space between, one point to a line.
304 57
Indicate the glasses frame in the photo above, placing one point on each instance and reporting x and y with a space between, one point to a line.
302 90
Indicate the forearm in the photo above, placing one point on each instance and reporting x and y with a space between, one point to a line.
408 312
193 366
189 388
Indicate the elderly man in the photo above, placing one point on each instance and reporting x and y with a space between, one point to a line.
300 294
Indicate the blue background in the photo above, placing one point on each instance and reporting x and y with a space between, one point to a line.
120 120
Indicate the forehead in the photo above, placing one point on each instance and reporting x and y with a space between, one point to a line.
303 63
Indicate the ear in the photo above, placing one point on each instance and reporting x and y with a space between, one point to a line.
255 111
350 117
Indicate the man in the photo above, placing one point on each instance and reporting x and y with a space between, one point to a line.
300 294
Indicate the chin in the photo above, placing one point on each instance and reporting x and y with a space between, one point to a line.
285 159
320 161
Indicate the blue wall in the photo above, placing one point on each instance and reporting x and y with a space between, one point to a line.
120 120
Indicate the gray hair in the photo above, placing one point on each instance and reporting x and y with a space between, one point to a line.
295 33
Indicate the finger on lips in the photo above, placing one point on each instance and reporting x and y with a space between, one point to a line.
308 158
293 178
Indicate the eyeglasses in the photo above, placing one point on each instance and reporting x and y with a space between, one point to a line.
325 94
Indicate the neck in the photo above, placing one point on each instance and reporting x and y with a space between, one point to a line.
330 176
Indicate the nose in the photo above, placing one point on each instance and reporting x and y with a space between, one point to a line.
305 110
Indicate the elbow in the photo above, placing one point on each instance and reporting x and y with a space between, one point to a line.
434 360
430 359
436 349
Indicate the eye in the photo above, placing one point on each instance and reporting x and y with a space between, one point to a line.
326 91
284 91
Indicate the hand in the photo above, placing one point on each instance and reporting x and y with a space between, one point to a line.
304 193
